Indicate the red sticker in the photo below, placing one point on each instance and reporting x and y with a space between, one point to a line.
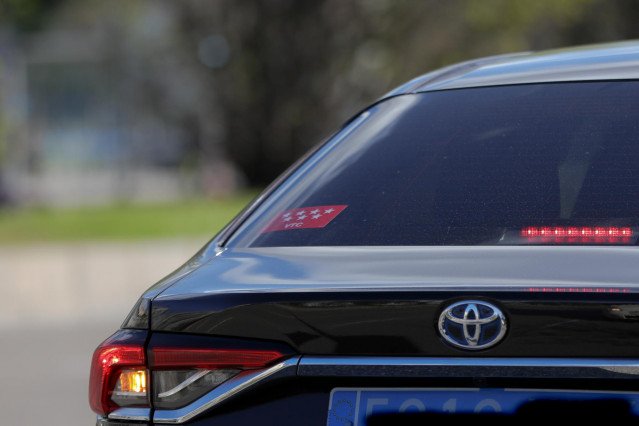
307 217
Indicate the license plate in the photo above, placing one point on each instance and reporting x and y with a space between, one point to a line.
351 406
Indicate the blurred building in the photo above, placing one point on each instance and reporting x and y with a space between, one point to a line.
78 120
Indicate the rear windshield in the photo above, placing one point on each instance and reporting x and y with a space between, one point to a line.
467 167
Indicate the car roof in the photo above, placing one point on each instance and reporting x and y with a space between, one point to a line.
610 61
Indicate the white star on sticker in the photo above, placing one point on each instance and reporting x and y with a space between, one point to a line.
286 219
315 211
302 217
329 211
317 216
301 213
287 214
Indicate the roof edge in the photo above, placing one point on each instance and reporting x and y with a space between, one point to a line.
595 62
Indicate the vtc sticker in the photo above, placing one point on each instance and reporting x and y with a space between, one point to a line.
303 218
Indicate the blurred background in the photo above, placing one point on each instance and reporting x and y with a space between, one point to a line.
131 131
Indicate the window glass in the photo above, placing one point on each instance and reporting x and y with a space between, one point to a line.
465 167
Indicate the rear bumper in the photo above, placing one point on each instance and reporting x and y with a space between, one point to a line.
348 368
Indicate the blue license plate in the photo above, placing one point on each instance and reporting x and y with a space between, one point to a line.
351 407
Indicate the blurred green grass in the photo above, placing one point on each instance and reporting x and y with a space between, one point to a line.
191 218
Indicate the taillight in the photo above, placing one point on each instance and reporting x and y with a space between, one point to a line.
118 377
171 377
181 375
212 358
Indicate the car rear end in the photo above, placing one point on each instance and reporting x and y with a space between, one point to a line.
327 351
468 251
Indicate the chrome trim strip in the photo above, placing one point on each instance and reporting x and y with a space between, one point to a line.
142 414
227 390
353 366
194 378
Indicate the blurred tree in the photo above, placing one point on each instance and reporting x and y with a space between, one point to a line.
261 81
298 69
26 15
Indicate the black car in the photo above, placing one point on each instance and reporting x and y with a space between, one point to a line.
467 245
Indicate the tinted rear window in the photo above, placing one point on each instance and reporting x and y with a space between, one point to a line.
464 167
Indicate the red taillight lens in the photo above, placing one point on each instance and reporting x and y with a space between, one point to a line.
211 358
173 376
109 360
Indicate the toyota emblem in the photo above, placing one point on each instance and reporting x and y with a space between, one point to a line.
472 325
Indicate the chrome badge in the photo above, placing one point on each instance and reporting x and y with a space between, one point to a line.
472 324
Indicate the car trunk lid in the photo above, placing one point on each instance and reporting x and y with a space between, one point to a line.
558 301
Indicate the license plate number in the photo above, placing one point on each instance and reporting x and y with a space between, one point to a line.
351 406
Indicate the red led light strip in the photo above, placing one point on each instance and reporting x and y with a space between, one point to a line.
578 290
615 233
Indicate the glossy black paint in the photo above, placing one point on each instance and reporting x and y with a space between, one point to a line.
381 301
383 323
286 403
128 337
336 269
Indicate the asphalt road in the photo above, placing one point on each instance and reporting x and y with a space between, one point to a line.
44 374
59 301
